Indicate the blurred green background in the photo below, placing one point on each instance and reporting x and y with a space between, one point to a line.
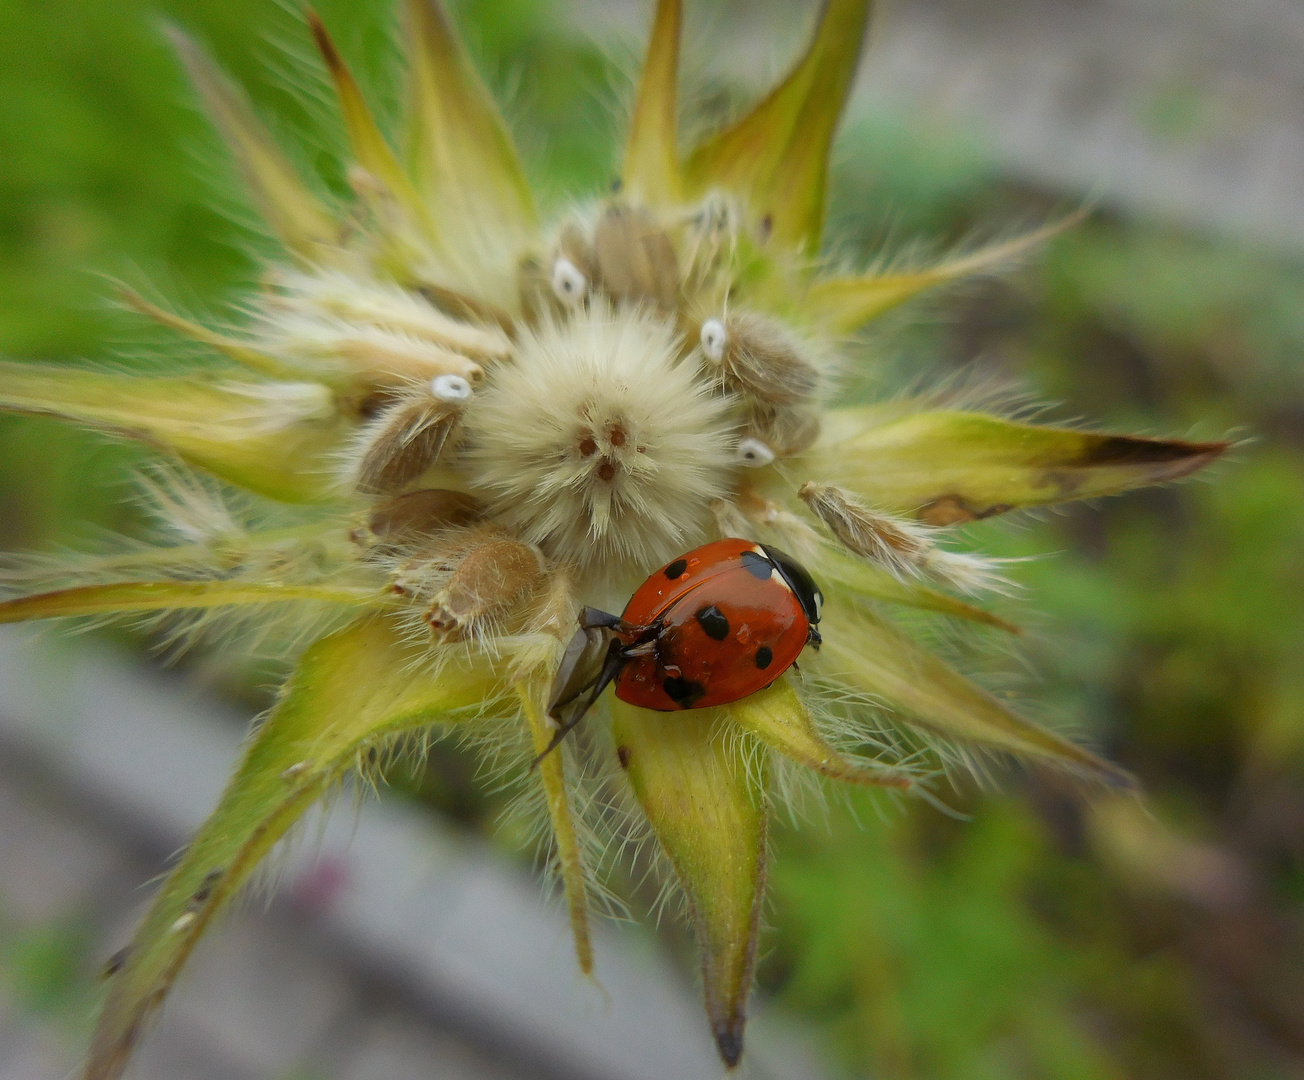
1039 939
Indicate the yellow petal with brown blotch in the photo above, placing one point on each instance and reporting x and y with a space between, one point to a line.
947 467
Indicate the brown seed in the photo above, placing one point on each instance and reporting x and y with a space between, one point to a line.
588 446
404 441
616 436
606 471
636 260
763 358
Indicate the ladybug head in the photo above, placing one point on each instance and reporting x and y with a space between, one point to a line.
799 581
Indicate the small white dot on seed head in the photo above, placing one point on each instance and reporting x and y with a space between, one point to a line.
450 388
714 339
754 454
568 281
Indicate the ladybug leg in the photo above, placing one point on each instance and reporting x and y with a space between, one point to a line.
582 700
813 638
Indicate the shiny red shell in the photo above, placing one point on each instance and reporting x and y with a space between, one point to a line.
731 626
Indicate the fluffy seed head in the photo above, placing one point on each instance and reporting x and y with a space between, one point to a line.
598 445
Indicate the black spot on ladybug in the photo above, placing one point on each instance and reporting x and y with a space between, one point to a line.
713 622
757 565
763 657
676 568
622 755
683 692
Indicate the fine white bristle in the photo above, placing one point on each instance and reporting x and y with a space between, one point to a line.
597 445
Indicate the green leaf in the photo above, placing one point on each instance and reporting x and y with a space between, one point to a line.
870 657
947 467
303 224
706 804
777 717
351 689
238 431
462 160
167 595
652 173
777 156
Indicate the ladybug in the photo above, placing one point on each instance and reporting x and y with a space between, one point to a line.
713 626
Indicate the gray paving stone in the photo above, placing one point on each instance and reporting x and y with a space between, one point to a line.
259 997
51 864
399 1047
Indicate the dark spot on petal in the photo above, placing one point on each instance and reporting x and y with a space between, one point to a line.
116 962
588 446
617 185
713 621
757 565
767 227
622 755
676 569
683 692
617 436
201 895
764 655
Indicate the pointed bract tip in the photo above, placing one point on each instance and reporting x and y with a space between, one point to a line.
729 1040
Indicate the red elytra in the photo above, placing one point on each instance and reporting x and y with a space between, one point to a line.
731 623
713 626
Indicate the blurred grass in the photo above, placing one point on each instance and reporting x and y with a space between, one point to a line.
1018 944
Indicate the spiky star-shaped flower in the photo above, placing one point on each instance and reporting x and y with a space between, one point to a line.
459 425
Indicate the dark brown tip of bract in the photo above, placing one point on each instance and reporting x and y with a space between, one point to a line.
1178 457
323 39
730 1041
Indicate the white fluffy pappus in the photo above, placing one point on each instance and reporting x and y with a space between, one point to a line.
598 445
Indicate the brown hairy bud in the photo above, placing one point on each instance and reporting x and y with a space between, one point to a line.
636 260
906 548
407 438
759 356
407 518
485 586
